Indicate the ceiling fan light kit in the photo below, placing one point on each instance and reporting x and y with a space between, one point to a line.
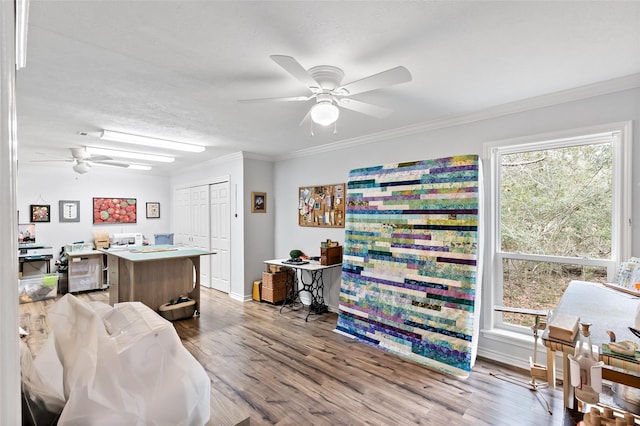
149 141
325 84
324 113
81 167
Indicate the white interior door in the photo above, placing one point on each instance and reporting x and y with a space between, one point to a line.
220 232
199 196
182 219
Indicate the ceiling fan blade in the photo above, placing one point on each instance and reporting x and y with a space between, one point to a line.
306 116
286 99
53 157
52 161
97 158
111 163
363 107
390 77
294 68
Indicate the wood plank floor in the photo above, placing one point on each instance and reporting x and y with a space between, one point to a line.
277 369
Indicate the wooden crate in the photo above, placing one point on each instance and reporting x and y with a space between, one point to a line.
274 286
330 255
275 268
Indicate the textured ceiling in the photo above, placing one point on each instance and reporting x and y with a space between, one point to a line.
176 69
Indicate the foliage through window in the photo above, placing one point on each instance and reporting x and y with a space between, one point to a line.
555 216
557 201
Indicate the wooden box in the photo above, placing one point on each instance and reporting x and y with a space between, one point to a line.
274 286
100 244
100 239
330 255
275 268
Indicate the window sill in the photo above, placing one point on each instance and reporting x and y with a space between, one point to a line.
509 347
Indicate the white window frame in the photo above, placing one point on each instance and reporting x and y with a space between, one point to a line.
621 215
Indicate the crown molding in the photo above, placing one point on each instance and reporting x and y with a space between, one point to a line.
570 95
255 156
238 155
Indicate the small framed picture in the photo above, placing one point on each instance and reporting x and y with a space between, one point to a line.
153 210
258 202
40 213
69 211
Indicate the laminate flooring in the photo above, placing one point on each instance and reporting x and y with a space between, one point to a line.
276 369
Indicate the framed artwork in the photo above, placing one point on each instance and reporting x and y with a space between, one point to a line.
114 210
69 211
258 202
40 213
153 210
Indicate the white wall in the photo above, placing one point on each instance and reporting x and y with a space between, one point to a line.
467 138
47 184
259 227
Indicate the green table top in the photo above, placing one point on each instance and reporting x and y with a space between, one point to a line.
155 252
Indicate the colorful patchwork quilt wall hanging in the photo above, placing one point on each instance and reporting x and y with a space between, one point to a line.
410 279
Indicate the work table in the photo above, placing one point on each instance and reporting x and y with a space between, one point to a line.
154 275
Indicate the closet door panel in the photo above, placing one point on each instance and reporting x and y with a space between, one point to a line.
182 221
220 233
200 228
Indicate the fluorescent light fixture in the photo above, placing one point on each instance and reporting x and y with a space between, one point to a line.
22 21
128 154
324 113
148 141
122 166
138 167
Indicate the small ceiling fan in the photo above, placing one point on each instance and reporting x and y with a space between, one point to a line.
324 83
82 160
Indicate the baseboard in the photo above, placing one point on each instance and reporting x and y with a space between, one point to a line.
503 358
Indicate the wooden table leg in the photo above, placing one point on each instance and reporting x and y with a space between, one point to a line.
551 368
132 281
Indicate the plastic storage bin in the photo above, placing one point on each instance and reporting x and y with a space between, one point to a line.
79 247
162 239
85 273
36 288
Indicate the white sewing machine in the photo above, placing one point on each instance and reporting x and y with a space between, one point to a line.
126 239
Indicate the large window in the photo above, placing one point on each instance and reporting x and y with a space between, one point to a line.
559 211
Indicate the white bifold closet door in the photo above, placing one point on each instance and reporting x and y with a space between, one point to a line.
199 196
203 221
219 242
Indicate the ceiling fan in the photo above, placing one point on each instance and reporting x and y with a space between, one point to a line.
82 160
324 83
